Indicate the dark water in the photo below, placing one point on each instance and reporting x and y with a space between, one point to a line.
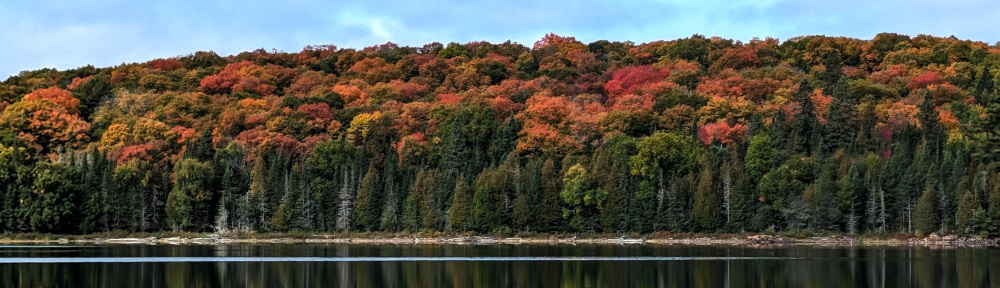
494 266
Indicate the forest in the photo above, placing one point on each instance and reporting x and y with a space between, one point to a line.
896 134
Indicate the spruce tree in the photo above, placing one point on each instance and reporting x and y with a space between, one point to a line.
985 86
805 121
840 119
549 209
366 212
967 206
707 208
460 213
833 71
925 215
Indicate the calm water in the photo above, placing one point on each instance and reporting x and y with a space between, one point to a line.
494 266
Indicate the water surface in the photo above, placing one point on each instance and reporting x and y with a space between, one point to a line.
343 265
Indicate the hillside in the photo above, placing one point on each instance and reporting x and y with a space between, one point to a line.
815 133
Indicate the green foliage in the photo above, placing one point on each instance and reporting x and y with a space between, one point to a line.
549 211
707 210
665 153
926 218
760 157
581 198
368 202
966 208
189 203
54 202
840 120
460 213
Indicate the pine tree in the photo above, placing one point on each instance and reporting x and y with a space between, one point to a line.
840 120
926 218
425 191
966 207
805 122
707 208
833 72
985 86
847 198
460 214
549 211
366 214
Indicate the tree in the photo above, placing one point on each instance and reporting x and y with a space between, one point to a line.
426 195
832 73
578 193
460 213
850 190
805 121
926 218
54 203
985 86
549 211
190 203
841 118
966 207
760 157
368 202
664 153
43 125
707 210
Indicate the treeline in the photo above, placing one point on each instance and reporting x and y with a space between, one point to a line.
896 134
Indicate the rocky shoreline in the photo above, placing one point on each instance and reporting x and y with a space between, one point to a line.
749 240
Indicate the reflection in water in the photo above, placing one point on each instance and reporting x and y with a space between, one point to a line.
496 266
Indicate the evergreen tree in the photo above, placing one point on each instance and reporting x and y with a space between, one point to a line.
926 218
833 72
805 123
366 214
549 211
966 207
707 208
850 189
460 214
840 119
985 86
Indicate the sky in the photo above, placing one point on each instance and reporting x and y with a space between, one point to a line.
67 34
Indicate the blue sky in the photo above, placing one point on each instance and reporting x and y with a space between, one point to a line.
68 34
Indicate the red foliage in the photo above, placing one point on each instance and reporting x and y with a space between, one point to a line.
626 80
164 64
409 90
316 111
922 81
722 132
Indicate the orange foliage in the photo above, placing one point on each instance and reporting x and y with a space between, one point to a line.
59 96
77 82
449 99
822 104
351 94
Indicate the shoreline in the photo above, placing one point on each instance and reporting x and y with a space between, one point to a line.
751 240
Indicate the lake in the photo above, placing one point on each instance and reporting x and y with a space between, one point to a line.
344 265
